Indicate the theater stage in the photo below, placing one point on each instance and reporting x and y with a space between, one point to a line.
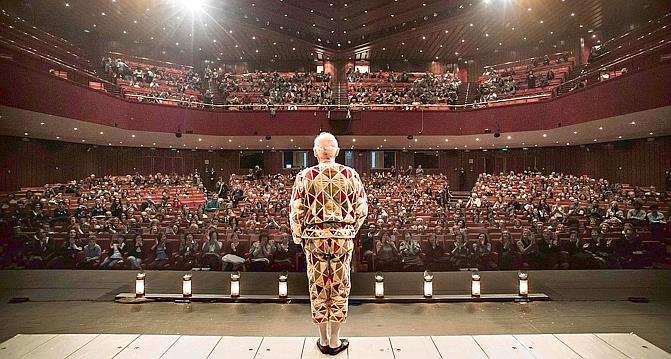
125 346
82 302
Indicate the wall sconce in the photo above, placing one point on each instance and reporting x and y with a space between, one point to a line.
475 284
235 284
186 285
283 290
524 283
139 285
428 284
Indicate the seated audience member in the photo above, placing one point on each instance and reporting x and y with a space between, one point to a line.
614 214
461 253
437 257
578 257
411 252
136 253
636 215
549 252
531 80
368 243
260 253
61 214
212 204
386 254
210 256
116 252
281 260
509 256
161 253
72 250
187 255
92 253
482 252
234 257
528 249
656 222
631 251
43 250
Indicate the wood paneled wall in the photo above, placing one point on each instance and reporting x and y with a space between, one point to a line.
36 162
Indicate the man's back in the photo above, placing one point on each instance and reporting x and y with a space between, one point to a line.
328 196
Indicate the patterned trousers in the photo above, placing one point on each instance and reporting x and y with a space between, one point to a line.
328 268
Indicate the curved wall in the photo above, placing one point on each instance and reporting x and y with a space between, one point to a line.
27 89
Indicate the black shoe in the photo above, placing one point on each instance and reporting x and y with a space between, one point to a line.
344 344
322 348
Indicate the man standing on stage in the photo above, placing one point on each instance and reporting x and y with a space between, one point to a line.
328 206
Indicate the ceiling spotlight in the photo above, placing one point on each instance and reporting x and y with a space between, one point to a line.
191 5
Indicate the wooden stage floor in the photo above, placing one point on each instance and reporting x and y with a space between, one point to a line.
123 346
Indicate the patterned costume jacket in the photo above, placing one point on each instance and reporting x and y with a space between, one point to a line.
328 201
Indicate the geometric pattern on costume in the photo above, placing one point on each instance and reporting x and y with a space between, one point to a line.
328 268
328 206
331 195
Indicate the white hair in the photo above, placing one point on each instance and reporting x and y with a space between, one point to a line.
326 145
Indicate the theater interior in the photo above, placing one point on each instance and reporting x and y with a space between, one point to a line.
515 156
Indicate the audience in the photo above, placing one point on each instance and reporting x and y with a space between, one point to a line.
513 221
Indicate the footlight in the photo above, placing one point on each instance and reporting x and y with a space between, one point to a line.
524 283
235 284
186 285
379 285
475 284
283 290
139 285
428 284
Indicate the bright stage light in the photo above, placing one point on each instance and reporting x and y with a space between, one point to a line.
139 285
379 285
283 289
524 283
186 285
428 284
235 284
191 5
475 284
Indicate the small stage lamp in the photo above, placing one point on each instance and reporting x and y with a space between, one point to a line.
475 284
186 285
524 283
139 285
379 285
428 284
283 290
235 284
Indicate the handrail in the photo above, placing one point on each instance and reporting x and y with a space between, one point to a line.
341 107
521 62
31 52
617 61
57 38
140 58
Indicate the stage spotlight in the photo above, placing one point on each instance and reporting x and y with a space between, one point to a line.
139 285
186 285
379 285
475 284
428 284
283 290
410 137
235 284
191 5
524 283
